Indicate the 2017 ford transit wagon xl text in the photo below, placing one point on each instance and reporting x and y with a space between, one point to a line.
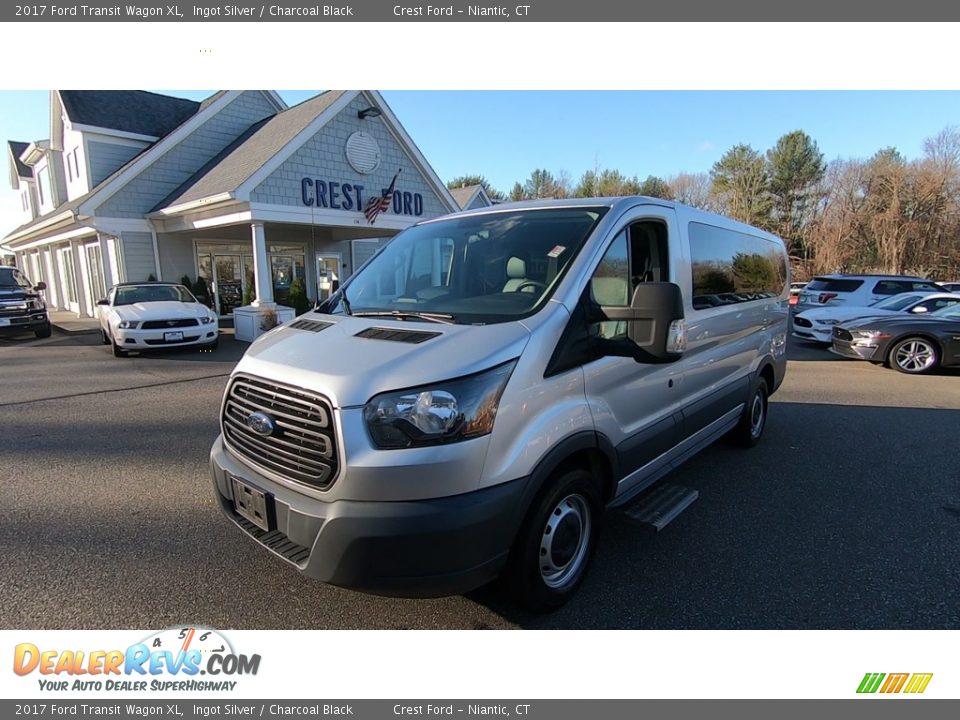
469 402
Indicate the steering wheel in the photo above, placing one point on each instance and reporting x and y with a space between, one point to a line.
532 283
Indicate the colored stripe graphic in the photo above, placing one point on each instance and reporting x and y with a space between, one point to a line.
918 683
894 683
870 682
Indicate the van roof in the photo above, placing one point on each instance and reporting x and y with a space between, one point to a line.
614 203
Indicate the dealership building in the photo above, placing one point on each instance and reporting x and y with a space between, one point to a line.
239 189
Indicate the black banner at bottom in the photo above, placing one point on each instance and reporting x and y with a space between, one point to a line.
872 708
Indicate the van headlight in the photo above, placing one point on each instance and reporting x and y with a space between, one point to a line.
445 412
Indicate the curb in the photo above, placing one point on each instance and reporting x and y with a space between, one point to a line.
80 331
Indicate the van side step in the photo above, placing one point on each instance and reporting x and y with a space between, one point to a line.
659 507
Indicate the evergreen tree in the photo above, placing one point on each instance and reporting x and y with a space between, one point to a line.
742 183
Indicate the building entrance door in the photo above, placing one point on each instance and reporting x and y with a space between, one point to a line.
228 282
328 274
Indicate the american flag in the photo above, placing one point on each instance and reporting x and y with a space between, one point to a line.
380 204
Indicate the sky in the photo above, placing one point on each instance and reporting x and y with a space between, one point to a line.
504 135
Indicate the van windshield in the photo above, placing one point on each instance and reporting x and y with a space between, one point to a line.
488 268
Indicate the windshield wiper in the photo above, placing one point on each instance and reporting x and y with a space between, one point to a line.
404 314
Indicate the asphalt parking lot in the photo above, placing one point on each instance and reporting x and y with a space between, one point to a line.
846 516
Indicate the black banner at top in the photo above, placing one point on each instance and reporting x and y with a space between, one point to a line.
463 11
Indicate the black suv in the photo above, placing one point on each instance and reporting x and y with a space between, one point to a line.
21 307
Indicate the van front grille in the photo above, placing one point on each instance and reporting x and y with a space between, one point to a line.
296 440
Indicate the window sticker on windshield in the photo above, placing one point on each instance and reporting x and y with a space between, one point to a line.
557 251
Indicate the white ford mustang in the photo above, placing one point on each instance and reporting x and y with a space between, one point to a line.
154 315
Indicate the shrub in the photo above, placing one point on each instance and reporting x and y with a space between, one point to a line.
268 320
298 297
200 290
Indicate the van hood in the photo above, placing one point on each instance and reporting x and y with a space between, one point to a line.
350 370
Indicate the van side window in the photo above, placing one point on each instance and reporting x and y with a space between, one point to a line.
637 254
610 285
648 252
732 267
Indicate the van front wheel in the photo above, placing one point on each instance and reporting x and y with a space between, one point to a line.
553 548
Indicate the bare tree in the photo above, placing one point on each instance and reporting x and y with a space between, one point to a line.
693 189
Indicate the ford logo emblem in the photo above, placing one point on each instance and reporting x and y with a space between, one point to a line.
261 423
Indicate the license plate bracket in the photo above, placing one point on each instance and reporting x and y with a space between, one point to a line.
253 504
176 336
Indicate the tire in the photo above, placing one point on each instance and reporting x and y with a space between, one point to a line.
43 332
914 356
553 547
117 352
104 338
212 346
753 421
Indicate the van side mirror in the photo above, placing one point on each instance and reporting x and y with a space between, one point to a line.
40 286
655 328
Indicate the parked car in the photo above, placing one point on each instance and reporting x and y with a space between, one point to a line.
22 308
817 325
468 402
795 289
913 344
859 289
953 287
153 316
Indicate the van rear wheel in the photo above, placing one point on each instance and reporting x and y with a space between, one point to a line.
553 548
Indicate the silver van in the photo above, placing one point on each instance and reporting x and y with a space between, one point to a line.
472 399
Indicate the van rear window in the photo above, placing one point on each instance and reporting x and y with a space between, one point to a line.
730 267
833 285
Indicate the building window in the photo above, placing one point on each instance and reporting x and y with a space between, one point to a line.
76 164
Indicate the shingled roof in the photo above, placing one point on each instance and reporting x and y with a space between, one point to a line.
464 194
133 111
248 153
16 150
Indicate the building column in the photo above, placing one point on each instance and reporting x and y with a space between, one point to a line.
261 267
105 262
78 284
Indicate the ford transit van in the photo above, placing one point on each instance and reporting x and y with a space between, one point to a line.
470 401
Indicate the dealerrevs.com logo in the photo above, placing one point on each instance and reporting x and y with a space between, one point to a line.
172 659
909 683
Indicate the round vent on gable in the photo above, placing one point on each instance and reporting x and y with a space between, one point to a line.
363 153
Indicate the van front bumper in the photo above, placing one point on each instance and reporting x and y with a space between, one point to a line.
417 548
